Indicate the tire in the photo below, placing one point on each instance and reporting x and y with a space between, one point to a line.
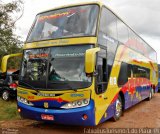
5 95
118 109
150 94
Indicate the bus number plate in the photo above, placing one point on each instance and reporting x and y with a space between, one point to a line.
47 117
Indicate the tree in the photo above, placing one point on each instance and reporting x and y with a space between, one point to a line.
9 14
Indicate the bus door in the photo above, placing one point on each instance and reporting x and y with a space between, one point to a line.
144 74
101 85
137 85
126 82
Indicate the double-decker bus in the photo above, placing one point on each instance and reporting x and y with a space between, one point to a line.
83 65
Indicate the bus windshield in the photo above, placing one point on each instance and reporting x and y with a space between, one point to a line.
67 22
55 67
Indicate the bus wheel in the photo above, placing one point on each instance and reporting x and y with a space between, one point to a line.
150 94
118 109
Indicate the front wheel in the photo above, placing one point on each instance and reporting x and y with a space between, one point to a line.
118 109
5 95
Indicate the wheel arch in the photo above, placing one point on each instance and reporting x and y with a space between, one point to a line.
153 87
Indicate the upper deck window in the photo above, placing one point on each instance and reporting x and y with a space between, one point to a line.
67 22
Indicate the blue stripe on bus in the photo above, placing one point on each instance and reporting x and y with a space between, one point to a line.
129 101
66 116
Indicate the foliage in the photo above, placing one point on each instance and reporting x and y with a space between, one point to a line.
8 110
9 42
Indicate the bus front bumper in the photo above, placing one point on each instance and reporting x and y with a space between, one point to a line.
61 116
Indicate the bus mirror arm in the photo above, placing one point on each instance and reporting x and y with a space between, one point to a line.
95 74
98 71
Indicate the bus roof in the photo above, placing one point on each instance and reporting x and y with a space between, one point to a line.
72 5
129 27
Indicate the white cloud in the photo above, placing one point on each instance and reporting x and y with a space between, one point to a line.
33 7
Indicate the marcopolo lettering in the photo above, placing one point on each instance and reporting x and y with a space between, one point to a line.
77 95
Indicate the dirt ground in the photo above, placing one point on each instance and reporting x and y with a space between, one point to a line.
143 115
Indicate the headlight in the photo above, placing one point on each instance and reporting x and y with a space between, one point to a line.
76 104
24 101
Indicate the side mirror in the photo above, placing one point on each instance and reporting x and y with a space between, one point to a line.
5 61
90 60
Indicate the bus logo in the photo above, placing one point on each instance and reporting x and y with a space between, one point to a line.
77 95
46 105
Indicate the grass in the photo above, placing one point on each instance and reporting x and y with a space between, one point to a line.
8 110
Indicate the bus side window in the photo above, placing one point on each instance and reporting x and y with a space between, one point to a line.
130 71
135 71
124 74
101 69
102 72
141 72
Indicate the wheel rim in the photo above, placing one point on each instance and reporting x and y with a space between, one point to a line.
118 108
151 94
5 95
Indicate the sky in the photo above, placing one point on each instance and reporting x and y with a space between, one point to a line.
143 16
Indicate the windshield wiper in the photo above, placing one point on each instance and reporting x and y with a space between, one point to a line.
72 88
62 82
20 81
